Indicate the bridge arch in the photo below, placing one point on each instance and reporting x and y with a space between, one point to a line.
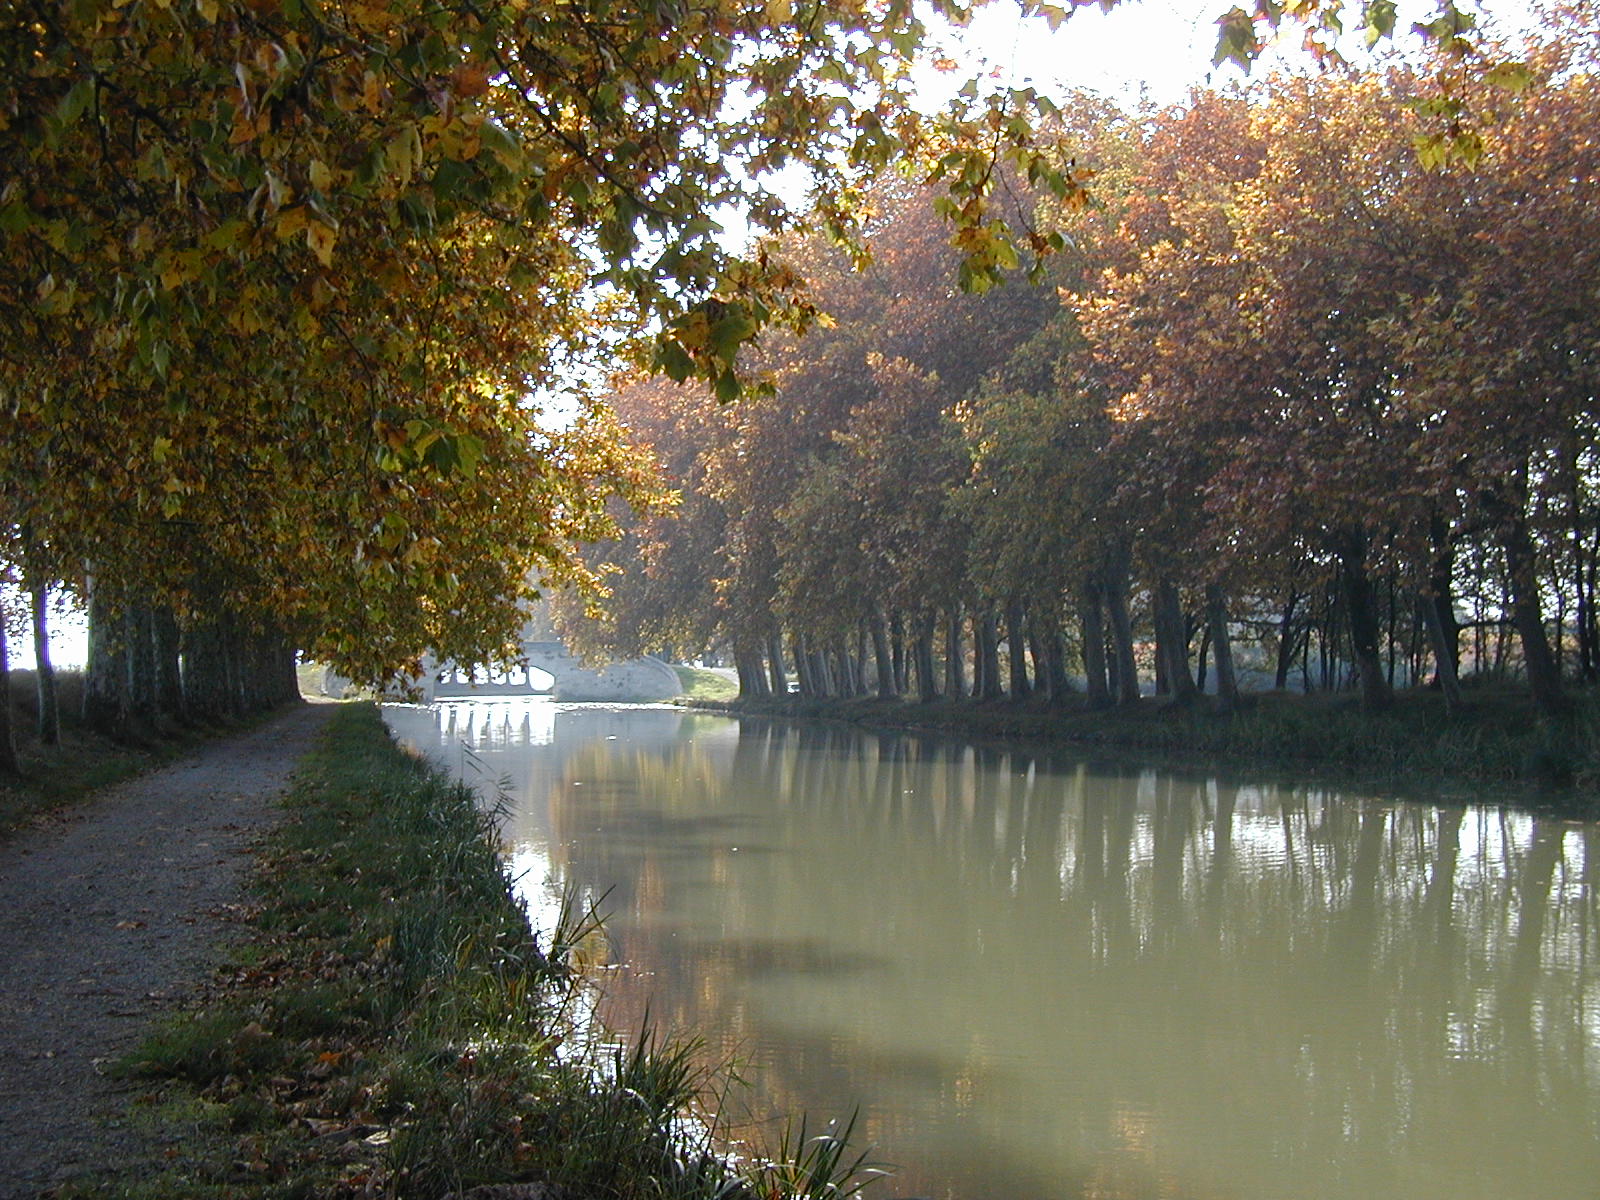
637 681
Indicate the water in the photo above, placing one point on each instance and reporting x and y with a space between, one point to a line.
1046 978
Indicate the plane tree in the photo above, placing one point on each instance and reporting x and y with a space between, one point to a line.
281 280
1503 366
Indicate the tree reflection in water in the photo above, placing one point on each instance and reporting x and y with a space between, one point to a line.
1045 976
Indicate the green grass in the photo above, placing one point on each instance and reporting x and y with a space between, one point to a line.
392 1026
699 684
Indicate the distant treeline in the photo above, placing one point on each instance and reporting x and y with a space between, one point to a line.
1303 404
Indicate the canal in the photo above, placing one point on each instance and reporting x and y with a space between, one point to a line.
1046 977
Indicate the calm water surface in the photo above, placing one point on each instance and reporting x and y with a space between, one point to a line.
1046 978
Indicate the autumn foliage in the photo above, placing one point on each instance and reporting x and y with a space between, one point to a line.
300 302
1315 405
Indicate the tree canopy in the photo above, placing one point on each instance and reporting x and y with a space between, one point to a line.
300 298
303 302
1305 385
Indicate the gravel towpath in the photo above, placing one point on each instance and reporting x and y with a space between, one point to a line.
110 915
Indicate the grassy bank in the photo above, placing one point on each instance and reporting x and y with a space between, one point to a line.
390 1026
1495 738
700 684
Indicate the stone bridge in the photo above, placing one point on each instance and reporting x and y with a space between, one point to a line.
637 681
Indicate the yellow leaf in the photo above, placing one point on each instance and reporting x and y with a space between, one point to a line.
290 222
402 153
321 239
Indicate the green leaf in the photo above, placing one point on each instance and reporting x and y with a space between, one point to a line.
1511 76
1380 19
672 359
78 98
469 452
731 332
1236 39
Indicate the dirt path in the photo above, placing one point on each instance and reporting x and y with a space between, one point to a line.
107 915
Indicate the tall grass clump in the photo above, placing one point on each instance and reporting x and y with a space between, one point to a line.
394 1027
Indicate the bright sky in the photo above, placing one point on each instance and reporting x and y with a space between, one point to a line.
1157 48
67 637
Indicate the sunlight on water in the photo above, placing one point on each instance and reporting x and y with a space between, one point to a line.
1044 977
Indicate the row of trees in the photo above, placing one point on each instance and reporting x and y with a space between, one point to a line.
287 289
1300 384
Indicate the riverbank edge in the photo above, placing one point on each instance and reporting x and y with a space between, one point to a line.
1496 738
388 1023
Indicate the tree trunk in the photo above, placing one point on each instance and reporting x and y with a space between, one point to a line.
742 670
882 656
748 668
1094 645
758 669
105 675
280 664
9 765
780 681
233 655
1017 646
138 625
927 679
844 670
1444 673
1287 641
955 666
1586 561
826 688
1057 686
169 676
802 667
1172 641
1361 607
897 652
1544 677
45 672
284 672
989 687
205 672
1441 597
1221 646
1116 594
